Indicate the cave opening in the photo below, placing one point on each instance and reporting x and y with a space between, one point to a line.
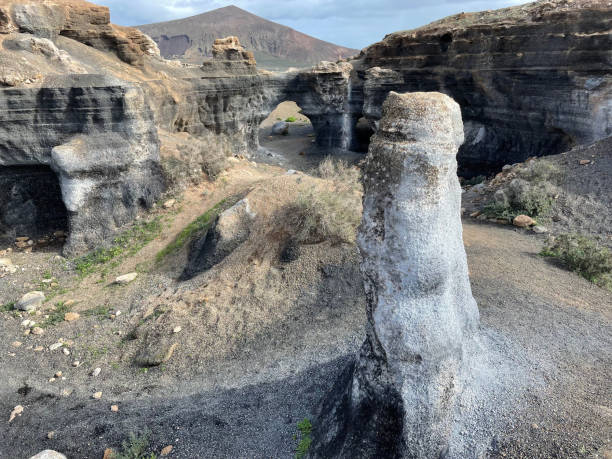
31 203
363 134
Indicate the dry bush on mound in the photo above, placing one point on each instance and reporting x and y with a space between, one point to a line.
331 212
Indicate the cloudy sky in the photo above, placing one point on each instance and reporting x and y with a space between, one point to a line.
353 23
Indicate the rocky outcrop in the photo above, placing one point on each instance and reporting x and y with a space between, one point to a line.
98 136
398 400
531 80
230 59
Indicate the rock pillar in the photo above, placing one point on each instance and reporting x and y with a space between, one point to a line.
397 400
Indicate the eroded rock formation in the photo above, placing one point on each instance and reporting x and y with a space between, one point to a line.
398 400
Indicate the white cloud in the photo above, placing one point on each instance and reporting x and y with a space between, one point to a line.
354 23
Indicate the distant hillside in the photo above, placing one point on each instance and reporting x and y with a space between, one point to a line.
275 46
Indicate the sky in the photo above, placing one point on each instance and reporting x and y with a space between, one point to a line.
352 23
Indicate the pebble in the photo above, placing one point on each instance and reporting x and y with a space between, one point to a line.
38 349
167 450
16 412
97 395
51 379
176 329
169 203
584 162
30 301
96 372
58 374
76 363
51 435
55 346
114 408
126 278
66 351
71 316
28 323
26 332
539 229
38 331
16 343
523 221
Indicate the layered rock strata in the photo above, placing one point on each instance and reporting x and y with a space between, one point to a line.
531 80
398 400
98 136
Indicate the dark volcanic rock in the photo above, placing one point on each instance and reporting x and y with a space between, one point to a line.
531 80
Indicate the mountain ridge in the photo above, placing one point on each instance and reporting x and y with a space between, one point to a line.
275 46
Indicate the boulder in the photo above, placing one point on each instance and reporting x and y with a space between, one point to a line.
126 278
30 301
280 128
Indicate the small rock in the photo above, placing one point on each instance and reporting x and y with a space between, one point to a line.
58 374
16 343
114 408
96 372
539 229
49 454
76 363
30 301
71 316
22 239
97 395
16 412
38 331
280 128
584 162
176 329
169 203
5 263
126 278
108 453
535 426
51 379
523 221
65 351
28 323
475 214
55 346
167 450
38 349
51 435
69 302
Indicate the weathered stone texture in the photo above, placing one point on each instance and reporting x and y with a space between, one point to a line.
398 400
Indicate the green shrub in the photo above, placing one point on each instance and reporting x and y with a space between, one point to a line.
305 428
582 255
56 316
135 448
540 171
535 201
7 306
291 119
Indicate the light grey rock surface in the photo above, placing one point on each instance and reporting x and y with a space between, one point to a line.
30 301
49 454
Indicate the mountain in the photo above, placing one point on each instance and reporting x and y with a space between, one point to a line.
275 46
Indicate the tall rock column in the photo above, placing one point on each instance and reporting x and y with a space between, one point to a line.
398 398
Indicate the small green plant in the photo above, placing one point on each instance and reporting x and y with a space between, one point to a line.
48 275
7 306
291 119
200 224
127 243
583 255
534 201
100 312
540 171
305 429
136 447
56 316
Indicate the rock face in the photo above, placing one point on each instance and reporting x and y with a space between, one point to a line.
98 137
398 400
531 80
230 59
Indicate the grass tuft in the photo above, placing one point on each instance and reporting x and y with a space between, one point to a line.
291 119
7 306
127 243
135 448
202 223
56 316
583 255
305 428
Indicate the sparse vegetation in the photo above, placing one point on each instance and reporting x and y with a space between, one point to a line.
474 180
583 255
202 223
291 119
56 316
126 244
328 214
136 447
305 429
541 171
533 201
7 306
100 312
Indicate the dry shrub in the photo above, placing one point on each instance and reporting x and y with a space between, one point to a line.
331 212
